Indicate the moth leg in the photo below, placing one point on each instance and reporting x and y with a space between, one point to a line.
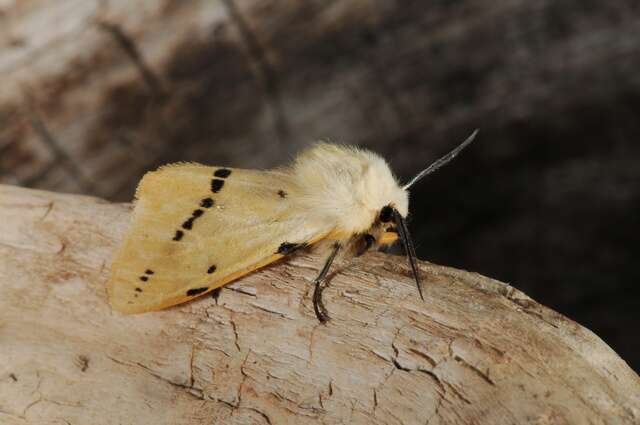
320 281
366 243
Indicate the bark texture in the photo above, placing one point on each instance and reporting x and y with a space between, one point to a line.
476 351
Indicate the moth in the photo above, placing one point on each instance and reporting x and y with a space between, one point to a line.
195 227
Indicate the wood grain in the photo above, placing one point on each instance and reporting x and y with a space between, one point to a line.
475 351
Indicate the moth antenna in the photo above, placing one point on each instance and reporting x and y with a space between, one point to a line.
442 161
318 305
403 231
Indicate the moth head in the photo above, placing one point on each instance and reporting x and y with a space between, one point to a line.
395 210
396 206
395 213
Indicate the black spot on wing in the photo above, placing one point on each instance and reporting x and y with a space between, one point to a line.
206 203
144 278
222 173
179 235
212 269
216 185
138 290
282 193
196 291
149 271
288 247
188 224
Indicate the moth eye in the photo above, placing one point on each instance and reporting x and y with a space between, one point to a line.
386 214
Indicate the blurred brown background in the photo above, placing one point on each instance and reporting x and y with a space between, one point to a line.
95 93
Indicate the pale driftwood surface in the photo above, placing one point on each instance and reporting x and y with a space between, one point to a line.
476 351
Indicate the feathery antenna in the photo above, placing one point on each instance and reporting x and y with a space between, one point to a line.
442 161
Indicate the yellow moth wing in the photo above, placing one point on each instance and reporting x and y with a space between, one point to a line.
196 228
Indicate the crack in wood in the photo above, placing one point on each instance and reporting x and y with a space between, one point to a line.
261 413
424 356
455 391
271 311
484 376
235 332
191 377
192 391
244 379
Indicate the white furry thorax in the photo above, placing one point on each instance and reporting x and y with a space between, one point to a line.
347 185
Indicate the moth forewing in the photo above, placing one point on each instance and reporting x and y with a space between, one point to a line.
196 228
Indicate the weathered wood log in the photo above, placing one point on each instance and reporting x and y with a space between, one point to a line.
475 351
95 93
